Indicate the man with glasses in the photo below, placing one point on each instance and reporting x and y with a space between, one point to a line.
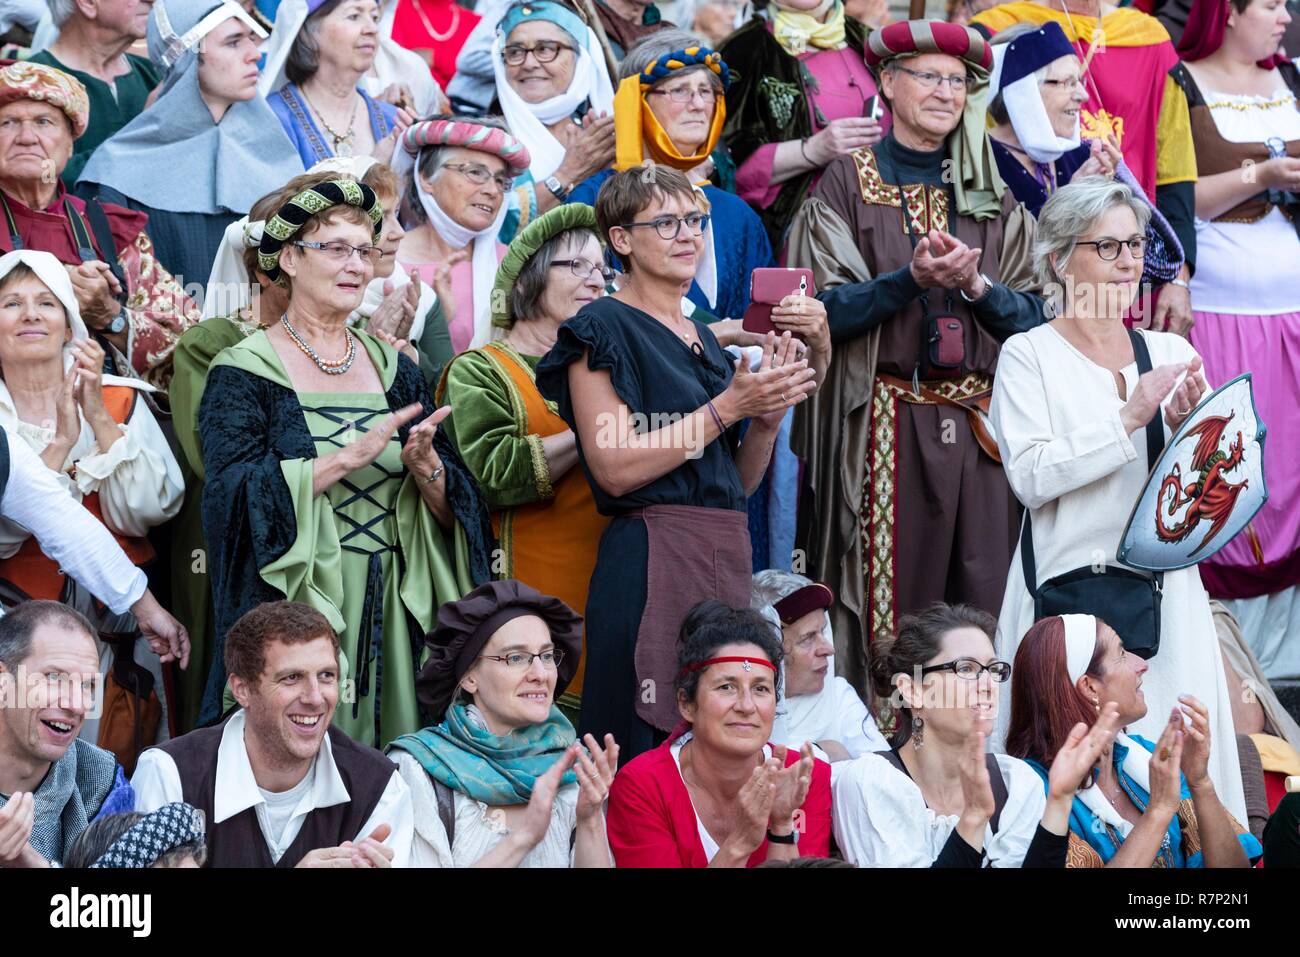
279 786
921 256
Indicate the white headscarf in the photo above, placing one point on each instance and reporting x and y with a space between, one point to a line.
357 167
1137 765
290 15
1024 104
529 121
230 287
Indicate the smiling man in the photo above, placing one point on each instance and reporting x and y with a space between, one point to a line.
52 784
281 787
921 256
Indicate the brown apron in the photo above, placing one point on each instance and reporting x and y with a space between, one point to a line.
694 554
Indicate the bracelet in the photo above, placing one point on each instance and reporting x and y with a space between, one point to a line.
803 152
434 476
1179 282
791 838
716 418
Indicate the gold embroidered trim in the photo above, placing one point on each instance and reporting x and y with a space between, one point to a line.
1078 853
541 471
877 513
1281 101
927 207
973 386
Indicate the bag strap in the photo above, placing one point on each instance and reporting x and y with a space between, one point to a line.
1155 434
998 785
103 237
446 809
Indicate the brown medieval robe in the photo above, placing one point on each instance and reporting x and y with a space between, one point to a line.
903 508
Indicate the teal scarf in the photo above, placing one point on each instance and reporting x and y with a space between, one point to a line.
497 770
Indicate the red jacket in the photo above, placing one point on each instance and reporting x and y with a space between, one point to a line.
651 821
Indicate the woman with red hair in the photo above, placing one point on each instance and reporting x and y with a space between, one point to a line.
1143 804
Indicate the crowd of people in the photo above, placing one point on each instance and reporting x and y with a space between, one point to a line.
528 433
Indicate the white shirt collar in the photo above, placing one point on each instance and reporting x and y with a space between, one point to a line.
236 788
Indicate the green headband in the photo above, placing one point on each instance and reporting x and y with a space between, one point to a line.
294 214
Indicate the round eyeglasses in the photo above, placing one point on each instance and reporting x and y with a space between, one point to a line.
1108 249
668 227
481 174
544 51
970 669
582 268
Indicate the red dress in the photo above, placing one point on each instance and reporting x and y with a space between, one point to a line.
651 821
451 25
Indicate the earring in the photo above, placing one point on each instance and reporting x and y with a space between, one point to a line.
918 731
1096 705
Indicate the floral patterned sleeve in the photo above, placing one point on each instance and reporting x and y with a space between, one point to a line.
160 312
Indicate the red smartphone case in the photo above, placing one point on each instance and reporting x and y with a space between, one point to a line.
767 287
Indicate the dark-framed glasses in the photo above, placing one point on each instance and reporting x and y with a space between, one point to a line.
970 669
479 174
1108 249
582 268
340 252
522 660
668 227
931 81
544 51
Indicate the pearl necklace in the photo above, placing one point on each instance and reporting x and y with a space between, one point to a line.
335 367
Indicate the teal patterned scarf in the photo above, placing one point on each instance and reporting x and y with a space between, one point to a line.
497 770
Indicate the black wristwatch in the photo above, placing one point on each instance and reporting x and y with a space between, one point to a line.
791 838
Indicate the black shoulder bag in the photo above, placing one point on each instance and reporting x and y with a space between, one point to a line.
1127 601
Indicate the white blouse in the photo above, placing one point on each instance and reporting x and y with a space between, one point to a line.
881 819
480 828
138 479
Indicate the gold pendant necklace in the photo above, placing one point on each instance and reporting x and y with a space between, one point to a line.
343 141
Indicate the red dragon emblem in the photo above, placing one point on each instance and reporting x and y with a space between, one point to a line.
1209 496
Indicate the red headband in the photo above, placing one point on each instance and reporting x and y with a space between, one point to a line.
701 665
801 601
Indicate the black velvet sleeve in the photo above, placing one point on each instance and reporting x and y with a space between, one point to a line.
1046 849
854 309
1177 203
957 853
245 424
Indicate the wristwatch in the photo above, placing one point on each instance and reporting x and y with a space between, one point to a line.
791 838
434 476
557 189
988 284
1179 282
118 324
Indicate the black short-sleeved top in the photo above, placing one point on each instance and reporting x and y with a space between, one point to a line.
653 371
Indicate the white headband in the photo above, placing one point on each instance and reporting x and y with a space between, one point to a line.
1080 644
178 46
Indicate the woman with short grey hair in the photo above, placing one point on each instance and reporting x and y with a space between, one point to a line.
521 453
1082 406
316 57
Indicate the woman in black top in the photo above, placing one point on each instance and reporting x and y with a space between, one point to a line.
648 405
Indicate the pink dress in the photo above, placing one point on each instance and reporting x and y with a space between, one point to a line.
844 84
461 325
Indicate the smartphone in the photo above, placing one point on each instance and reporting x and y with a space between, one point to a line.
871 107
767 287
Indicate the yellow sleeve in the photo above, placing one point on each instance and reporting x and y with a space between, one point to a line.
1175 152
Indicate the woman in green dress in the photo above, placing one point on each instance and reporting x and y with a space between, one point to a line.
327 481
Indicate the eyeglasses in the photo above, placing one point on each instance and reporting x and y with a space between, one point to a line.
1068 83
481 174
668 227
340 252
931 81
543 52
684 94
970 669
521 661
1108 249
582 268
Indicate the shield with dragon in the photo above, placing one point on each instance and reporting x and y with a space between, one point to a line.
1206 487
